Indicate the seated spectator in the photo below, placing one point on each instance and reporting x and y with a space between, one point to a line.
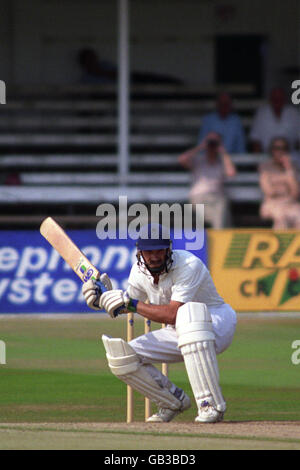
226 123
10 179
13 179
210 165
96 70
279 183
273 119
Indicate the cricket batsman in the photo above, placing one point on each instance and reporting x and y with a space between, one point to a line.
200 325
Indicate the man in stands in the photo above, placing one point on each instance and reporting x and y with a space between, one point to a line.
226 123
274 119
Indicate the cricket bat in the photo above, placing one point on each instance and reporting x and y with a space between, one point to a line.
67 249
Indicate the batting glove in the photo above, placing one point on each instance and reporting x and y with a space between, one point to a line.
92 290
116 302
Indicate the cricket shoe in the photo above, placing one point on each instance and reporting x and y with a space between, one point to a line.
208 414
165 415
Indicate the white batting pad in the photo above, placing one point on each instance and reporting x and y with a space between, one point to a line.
125 364
196 342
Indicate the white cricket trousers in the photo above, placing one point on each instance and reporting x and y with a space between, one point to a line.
162 345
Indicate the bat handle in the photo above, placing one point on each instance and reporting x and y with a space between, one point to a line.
103 289
100 286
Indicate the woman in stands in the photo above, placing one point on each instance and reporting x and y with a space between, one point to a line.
280 187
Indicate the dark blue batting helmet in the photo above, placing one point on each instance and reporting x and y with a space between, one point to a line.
153 237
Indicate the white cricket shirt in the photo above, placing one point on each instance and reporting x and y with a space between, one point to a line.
188 280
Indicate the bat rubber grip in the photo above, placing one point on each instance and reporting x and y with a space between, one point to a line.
101 287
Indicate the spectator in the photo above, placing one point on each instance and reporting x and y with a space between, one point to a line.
274 119
210 165
226 123
96 70
279 183
13 179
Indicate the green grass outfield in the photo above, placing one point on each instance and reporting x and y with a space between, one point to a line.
56 372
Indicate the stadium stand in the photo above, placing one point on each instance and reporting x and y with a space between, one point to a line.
63 144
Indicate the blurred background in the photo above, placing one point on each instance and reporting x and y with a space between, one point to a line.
80 74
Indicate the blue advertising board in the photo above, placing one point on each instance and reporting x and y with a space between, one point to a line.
35 279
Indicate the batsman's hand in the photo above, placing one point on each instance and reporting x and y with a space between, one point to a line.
116 302
92 290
